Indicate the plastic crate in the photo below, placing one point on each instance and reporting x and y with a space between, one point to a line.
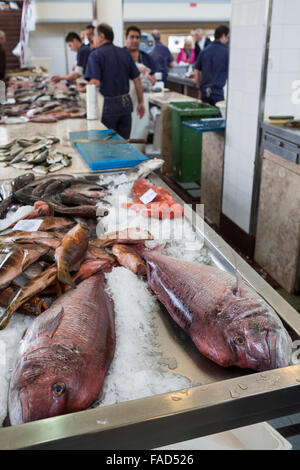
186 144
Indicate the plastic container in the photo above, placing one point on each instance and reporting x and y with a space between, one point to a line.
260 436
187 144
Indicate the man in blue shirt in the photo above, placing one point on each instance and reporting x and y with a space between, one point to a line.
133 42
75 44
110 68
162 57
213 63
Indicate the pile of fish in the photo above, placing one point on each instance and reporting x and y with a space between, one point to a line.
34 153
39 100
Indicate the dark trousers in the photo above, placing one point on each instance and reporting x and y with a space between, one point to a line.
117 114
120 124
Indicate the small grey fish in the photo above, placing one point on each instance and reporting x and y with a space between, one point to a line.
54 158
35 148
7 146
18 158
56 167
144 169
22 166
41 157
40 169
66 161
24 143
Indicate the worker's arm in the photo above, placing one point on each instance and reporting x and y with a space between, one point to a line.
82 88
69 78
141 110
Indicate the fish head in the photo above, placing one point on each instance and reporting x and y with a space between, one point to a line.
47 385
255 336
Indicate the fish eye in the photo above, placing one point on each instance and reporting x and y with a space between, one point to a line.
58 389
239 340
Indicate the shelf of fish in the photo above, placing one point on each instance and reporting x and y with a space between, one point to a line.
35 153
128 323
37 99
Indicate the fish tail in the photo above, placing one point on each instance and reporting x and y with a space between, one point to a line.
64 276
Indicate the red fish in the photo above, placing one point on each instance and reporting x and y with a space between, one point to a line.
64 355
128 258
226 320
71 253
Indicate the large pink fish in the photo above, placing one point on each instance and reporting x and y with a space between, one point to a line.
225 318
64 355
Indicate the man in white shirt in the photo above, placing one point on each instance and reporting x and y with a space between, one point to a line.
201 41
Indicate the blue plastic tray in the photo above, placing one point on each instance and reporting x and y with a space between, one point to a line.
106 155
206 125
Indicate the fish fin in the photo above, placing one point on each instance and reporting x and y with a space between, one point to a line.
24 333
58 289
237 290
51 325
64 276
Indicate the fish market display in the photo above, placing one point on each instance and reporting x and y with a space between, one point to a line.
71 282
34 153
36 99
64 356
228 323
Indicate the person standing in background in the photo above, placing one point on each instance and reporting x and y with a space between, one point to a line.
75 44
213 63
186 54
162 57
141 58
110 68
2 55
201 42
89 34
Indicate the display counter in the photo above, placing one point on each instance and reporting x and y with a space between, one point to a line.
184 85
278 231
59 129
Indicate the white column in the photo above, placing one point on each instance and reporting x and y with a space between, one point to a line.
111 12
247 46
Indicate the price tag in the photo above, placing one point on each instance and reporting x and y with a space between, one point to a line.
148 197
121 179
28 225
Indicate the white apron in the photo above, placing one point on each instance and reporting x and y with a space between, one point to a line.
140 127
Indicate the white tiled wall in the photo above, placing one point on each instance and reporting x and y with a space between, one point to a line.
284 59
248 32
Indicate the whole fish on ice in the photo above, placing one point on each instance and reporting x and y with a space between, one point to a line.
64 355
226 320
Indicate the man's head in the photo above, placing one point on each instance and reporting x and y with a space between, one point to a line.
89 33
156 34
74 41
133 38
103 34
222 34
198 35
2 38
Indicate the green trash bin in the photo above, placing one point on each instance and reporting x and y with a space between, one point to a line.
186 144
